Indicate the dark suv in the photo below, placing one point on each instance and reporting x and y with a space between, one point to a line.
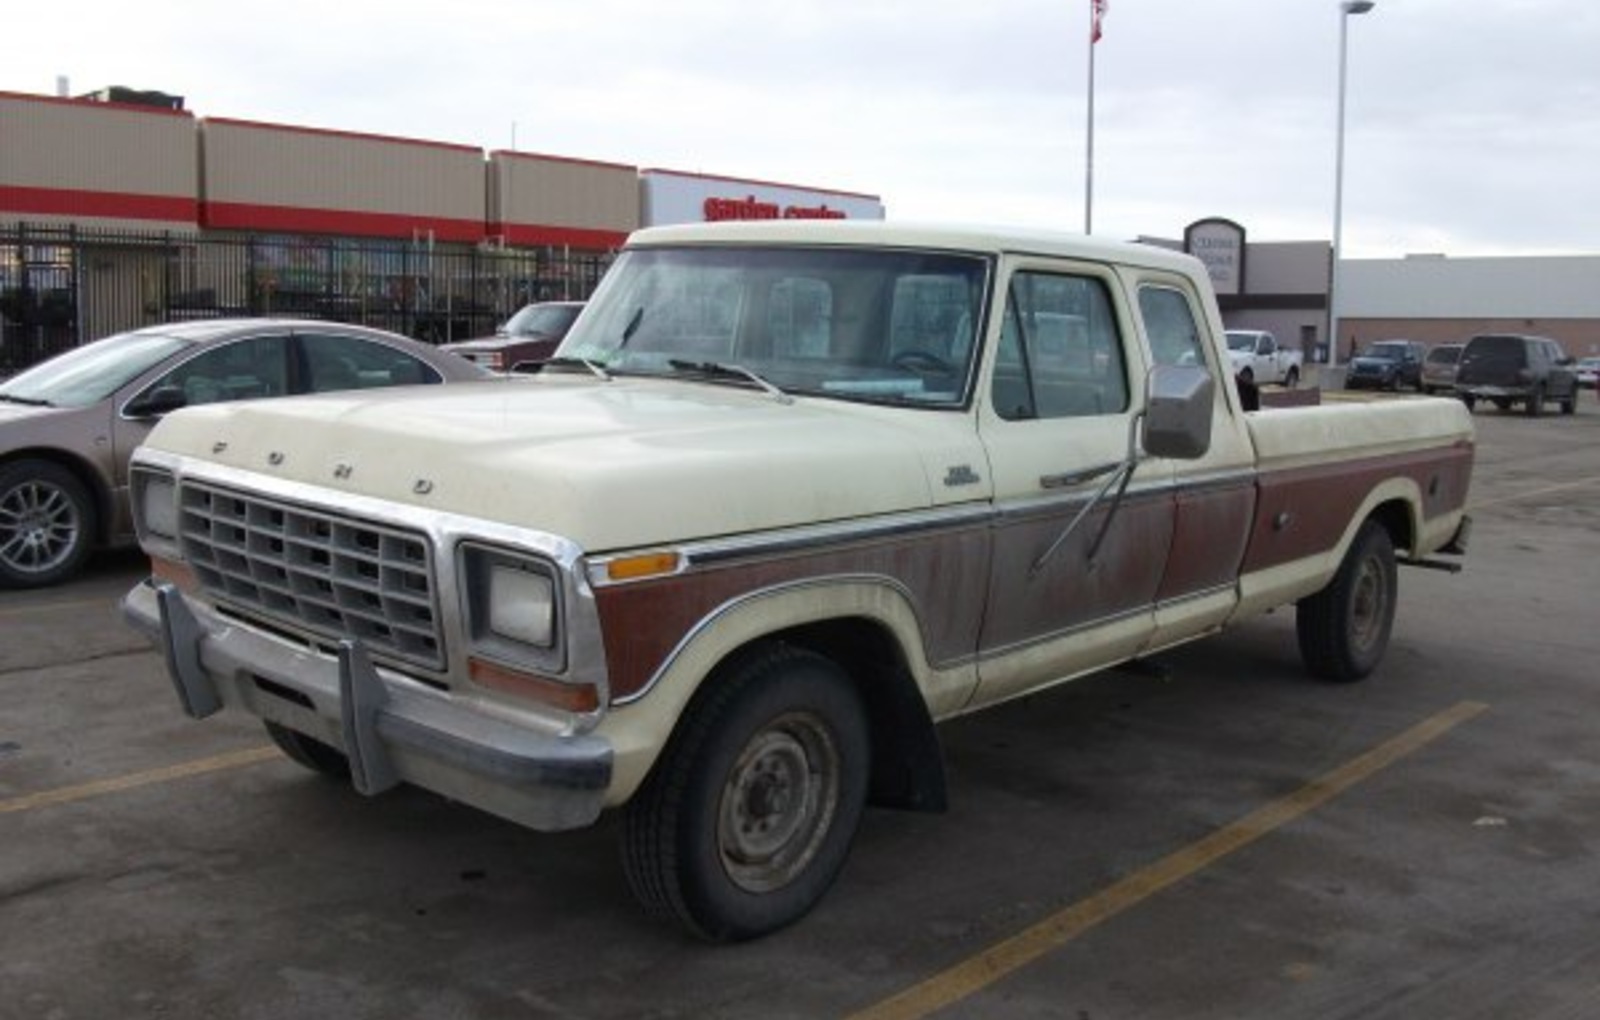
1387 365
1510 369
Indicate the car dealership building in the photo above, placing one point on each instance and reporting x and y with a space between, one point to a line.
123 208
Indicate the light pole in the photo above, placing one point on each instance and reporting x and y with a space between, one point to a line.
1346 8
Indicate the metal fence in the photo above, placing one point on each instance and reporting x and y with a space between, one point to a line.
61 286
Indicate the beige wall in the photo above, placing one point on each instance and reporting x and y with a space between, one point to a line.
96 164
273 177
547 199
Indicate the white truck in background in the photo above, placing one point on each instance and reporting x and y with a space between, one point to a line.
1258 358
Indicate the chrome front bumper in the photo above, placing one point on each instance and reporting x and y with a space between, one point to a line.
392 729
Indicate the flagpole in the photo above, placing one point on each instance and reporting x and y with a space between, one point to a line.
1088 170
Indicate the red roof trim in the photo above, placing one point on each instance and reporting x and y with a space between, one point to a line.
535 234
764 184
544 157
101 204
332 133
291 219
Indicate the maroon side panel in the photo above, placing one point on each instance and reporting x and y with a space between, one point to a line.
945 572
1070 590
1213 526
1304 511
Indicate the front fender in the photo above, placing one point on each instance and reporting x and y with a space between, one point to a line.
640 726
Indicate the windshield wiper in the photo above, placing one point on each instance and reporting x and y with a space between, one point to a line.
716 368
29 401
567 361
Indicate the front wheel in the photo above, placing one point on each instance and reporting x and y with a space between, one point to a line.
748 816
47 524
1344 628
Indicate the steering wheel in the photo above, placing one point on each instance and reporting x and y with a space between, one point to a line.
922 362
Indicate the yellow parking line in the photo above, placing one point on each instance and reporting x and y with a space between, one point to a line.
978 972
116 784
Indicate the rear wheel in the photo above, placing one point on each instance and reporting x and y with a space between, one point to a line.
749 814
1344 628
47 524
1534 406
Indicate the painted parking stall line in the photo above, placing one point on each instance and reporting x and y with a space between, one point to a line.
135 780
987 968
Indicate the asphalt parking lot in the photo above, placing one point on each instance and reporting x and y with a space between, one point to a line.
1220 838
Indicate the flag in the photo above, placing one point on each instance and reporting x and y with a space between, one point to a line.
1098 8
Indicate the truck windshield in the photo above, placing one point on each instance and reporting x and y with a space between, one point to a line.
858 324
1241 341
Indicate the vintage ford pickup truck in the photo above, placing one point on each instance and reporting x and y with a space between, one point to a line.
789 495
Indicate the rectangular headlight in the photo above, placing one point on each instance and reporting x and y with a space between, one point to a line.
522 605
157 505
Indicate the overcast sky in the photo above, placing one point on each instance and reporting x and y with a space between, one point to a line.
1473 126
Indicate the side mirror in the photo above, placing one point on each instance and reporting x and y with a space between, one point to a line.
156 402
1178 412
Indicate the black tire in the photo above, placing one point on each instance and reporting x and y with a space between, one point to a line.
310 752
1470 400
1569 403
47 524
1344 628
748 815
1291 378
1502 403
1533 407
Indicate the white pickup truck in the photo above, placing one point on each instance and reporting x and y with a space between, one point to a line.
790 495
1259 359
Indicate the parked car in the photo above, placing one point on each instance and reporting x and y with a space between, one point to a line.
1439 368
1259 359
1588 372
533 334
68 425
1387 365
1509 369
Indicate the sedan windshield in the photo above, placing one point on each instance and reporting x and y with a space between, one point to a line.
883 326
91 373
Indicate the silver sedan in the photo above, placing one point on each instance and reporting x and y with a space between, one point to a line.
68 425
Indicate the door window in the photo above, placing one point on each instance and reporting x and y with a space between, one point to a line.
239 370
1060 353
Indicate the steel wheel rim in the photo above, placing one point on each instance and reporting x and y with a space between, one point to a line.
39 527
778 803
1369 602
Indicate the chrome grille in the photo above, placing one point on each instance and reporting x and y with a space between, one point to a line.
332 575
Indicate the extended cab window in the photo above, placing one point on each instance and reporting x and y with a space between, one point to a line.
1169 324
1060 353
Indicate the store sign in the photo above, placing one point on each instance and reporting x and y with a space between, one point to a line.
1219 244
750 208
674 197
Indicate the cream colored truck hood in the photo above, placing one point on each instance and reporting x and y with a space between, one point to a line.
609 465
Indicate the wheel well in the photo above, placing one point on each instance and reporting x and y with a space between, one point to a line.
1395 516
86 476
907 764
